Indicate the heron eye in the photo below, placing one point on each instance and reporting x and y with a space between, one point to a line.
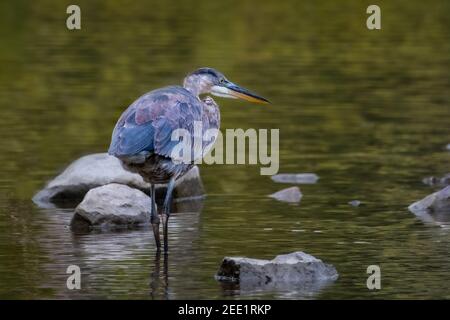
222 80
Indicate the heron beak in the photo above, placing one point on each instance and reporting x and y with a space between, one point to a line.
231 90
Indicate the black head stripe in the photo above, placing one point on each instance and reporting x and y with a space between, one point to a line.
209 71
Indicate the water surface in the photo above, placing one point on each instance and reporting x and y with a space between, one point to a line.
368 111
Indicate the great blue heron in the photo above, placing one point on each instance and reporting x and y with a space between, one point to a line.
142 137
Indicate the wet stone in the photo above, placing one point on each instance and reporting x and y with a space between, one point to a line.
354 203
297 268
437 181
298 178
434 207
112 206
292 195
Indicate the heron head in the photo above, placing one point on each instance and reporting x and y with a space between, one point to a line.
209 80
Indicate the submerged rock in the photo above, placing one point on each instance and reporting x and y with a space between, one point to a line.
434 207
294 269
292 195
100 169
111 206
299 178
436 181
355 203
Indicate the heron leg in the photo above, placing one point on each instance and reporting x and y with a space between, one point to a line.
154 219
166 212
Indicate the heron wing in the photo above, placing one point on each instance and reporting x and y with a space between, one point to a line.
148 124
130 138
181 116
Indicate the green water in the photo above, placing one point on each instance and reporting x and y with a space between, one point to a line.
368 111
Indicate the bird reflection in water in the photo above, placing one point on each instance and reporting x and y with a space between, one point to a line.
160 282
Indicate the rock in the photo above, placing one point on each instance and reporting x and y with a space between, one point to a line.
434 207
435 181
294 269
292 195
299 178
355 203
100 169
86 173
430 181
447 147
111 206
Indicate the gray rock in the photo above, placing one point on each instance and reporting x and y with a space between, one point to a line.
447 147
292 195
100 169
434 207
111 206
355 203
297 268
437 181
86 173
299 178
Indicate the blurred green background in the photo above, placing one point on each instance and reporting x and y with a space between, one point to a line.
368 111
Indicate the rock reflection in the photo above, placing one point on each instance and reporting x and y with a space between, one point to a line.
305 291
433 218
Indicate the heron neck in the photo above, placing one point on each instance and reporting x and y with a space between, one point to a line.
195 85
193 90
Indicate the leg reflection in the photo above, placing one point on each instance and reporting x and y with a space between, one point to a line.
159 284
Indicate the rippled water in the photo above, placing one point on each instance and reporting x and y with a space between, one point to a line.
366 111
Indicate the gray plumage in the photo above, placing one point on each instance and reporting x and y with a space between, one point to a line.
142 136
